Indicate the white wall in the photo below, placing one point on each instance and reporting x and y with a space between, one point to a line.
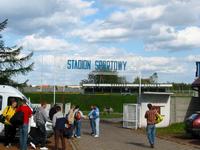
156 100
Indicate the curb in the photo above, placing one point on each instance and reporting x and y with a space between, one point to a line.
111 122
72 143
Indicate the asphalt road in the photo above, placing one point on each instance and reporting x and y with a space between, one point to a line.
113 137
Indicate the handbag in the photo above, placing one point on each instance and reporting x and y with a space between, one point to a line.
2 117
159 118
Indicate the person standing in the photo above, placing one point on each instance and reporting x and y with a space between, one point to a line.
23 129
92 120
52 111
41 118
150 116
59 124
10 130
96 115
78 119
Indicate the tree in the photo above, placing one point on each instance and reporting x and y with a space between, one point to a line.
152 79
106 76
143 80
11 62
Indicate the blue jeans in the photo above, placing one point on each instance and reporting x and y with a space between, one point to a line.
92 124
97 121
23 131
151 133
78 127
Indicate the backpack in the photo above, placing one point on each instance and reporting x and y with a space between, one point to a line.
37 116
78 115
17 119
60 123
70 117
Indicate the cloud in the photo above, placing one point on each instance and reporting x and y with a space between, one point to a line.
45 16
193 58
119 26
168 38
130 3
102 35
47 43
160 25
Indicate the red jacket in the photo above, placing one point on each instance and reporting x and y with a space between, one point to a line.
27 113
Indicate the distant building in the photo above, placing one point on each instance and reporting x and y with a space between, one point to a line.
196 83
125 88
50 88
196 86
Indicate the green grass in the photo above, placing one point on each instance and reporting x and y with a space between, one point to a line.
105 115
112 115
115 101
176 128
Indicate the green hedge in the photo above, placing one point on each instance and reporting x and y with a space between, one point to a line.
115 101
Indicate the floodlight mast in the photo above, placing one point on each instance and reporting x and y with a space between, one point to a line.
140 86
54 87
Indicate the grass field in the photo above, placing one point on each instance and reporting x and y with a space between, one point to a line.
115 101
176 128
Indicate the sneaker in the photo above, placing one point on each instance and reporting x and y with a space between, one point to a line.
32 145
43 148
8 146
78 137
96 136
152 145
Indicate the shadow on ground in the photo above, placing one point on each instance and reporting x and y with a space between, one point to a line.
138 144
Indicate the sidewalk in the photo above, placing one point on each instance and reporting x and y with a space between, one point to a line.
113 137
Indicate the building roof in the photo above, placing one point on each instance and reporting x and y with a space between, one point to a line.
128 85
196 83
158 93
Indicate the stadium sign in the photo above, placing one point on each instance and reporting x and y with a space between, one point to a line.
107 65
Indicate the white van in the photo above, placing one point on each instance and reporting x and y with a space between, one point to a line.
9 92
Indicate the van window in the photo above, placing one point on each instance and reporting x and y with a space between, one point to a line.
11 98
1 100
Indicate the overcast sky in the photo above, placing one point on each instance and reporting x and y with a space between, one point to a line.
160 36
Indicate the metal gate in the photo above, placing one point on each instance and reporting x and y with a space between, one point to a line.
130 116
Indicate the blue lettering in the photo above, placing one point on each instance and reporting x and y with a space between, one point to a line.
125 62
69 64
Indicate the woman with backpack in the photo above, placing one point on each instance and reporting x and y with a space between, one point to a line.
77 123
10 130
59 125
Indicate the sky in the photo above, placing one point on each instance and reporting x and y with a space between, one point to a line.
151 35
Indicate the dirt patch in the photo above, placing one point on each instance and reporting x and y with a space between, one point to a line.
50 145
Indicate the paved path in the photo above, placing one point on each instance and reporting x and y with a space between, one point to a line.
113 137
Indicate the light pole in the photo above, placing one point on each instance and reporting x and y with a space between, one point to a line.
140 86
54 87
